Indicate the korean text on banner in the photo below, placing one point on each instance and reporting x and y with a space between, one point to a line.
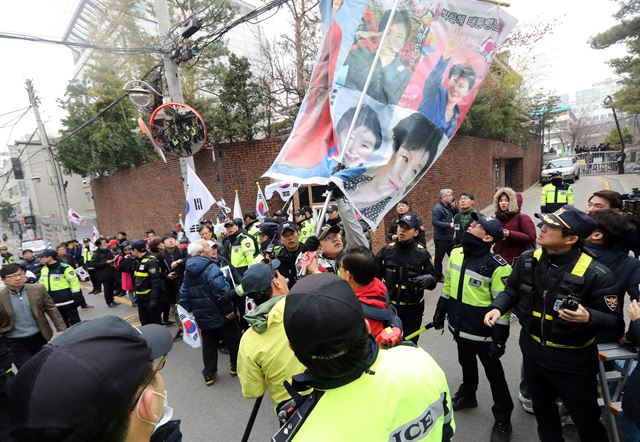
393 81
199 201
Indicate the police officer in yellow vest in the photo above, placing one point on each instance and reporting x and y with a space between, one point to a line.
63 285
562 296
361 393
473 278
239 246
251 224
555 194
269 244
148 283
87 256
305 226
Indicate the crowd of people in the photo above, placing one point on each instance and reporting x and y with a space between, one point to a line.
312 315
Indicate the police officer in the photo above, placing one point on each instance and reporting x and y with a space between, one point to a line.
304 226
405 268
555 194
269 244
288 254
148 283
239 246
251 223
7 258
362 393
63 285
308 214
474 276
87 257
562 296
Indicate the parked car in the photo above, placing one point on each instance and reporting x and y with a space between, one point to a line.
567 166
36 245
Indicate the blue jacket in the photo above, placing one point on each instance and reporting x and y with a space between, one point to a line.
441 218
201 292
626 268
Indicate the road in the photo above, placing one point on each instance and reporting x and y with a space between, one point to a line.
219 413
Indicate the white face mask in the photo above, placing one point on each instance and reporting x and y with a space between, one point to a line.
167 412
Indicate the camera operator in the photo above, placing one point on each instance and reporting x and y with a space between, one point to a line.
269 244
562 296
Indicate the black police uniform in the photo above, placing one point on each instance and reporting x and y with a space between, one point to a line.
393 230
148 281
398 264
560 358
288 264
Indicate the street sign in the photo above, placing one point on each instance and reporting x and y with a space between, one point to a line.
178 129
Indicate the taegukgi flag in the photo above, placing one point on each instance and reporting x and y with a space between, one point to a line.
392 83
261 203
284 189
199 201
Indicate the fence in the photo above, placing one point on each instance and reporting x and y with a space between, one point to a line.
592 163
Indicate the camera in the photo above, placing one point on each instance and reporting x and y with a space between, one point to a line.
569 302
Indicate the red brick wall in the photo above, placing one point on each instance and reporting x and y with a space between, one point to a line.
151 196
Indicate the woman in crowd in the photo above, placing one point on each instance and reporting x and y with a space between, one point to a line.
518 228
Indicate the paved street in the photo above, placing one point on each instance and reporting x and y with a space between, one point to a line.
219 413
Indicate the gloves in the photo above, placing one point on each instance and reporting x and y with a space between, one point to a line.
425 282
440 314
312 243
333 187
496 349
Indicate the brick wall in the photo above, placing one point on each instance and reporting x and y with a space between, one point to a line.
151 196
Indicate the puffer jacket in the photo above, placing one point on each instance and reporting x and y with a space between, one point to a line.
201 293
442 219
631 398
522 231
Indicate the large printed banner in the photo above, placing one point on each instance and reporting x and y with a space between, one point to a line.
376 128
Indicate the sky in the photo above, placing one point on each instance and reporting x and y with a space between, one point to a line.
571 64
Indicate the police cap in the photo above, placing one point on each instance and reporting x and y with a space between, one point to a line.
570 218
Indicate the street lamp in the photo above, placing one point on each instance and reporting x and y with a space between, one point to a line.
608 102
140 93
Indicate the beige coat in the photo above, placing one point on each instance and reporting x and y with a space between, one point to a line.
41 304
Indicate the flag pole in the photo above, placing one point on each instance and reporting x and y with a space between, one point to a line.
357 111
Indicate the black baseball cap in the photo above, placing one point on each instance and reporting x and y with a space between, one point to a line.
568 217
280 213
490 225
332 208
140 245
78 380
48 252
229 222
287 226
326 229
410 219
322 317
257 278
269 229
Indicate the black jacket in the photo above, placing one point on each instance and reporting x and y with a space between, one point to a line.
631 398
397 265
441 218
34 266
597 293
149 278
288 264
103 270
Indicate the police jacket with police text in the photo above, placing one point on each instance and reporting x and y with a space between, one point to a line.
148 279
241 249
397 264
61 281
473 279
554 277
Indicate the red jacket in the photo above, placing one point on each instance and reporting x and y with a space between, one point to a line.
373 294
522 231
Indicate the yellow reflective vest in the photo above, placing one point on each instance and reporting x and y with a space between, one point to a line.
553 197
405 397
61 281
242 252
307 229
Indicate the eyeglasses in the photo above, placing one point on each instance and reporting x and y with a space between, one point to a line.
155 371
16 275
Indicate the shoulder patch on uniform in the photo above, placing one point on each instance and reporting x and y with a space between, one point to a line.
499 259
612 302
504 279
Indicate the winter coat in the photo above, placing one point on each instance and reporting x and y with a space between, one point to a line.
125 266
201 293
442 218
265 358
374 295
103 271
522 231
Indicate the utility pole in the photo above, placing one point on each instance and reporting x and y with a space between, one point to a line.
171 73
51 167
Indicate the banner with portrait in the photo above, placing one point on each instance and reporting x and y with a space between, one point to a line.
392 83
